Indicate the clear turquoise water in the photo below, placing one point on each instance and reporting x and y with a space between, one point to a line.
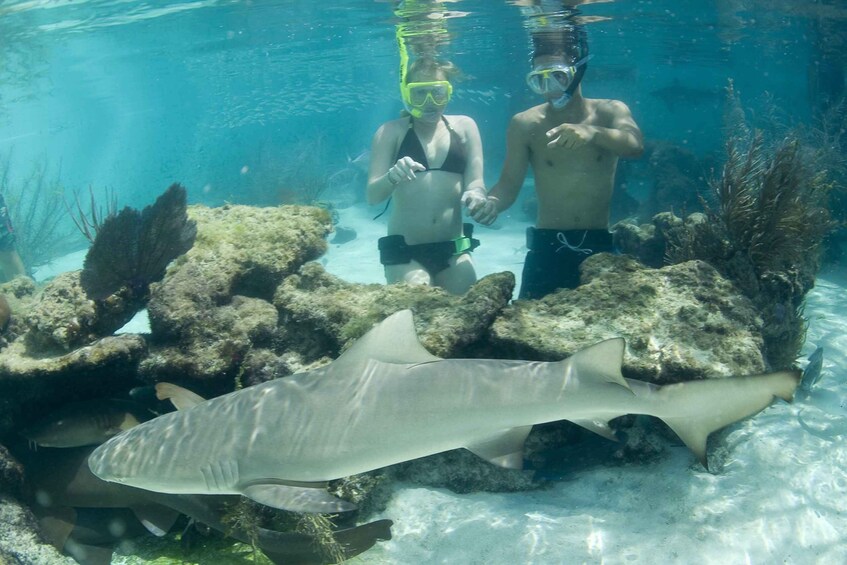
225 96
222 94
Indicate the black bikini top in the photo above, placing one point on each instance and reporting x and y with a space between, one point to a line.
455 162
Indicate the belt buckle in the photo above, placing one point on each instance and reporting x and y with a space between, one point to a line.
461 244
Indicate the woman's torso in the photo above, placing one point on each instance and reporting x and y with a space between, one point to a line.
428 208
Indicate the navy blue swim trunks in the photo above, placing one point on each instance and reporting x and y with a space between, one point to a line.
554 257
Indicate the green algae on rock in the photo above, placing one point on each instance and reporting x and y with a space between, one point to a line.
334 313
681 322
213 307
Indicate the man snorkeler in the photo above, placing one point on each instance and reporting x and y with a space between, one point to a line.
573 144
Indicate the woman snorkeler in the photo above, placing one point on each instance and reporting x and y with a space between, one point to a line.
428 164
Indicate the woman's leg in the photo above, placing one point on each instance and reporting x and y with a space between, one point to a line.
459 276
411 272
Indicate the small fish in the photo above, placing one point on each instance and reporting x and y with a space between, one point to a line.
90 422
812 372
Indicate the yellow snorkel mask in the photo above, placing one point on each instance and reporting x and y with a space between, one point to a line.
418 95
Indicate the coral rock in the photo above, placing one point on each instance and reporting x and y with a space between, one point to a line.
682 322
19 538
214 305
62 317
329 313
32 386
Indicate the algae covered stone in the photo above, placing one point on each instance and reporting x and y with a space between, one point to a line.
331 313
681 322
213 307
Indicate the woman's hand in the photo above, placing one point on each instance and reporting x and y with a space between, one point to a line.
404 170
481 207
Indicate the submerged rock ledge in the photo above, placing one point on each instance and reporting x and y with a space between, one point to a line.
681 322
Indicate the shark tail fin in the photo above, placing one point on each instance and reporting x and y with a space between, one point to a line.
707 406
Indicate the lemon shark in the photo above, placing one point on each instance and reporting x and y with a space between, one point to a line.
387 400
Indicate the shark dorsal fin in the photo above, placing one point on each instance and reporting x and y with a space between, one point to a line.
393 340
180 397
601 362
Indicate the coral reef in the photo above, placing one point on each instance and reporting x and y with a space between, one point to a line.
765 234
199 326
30 386
330 313
648 242
20 542
462 471
681 322
245 305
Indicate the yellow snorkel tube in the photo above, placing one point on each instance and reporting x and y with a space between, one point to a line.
437 92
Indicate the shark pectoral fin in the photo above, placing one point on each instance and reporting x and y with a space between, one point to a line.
600 362
299 497
157 519
57 523
504 450
600 427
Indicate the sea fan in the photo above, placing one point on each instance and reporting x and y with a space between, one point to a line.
132 249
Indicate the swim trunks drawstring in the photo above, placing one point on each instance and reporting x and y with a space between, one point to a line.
560 237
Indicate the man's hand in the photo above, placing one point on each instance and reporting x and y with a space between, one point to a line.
481 207
570 136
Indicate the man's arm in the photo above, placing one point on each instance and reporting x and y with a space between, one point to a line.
622 137
511 179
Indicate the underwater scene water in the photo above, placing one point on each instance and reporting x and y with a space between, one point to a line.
201 361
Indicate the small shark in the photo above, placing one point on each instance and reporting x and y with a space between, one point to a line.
387 400
89 422
86 516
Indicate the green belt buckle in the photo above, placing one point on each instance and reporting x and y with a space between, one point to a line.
462 244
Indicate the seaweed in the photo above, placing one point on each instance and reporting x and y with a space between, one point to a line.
766 221
132 249
35 208
89 223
